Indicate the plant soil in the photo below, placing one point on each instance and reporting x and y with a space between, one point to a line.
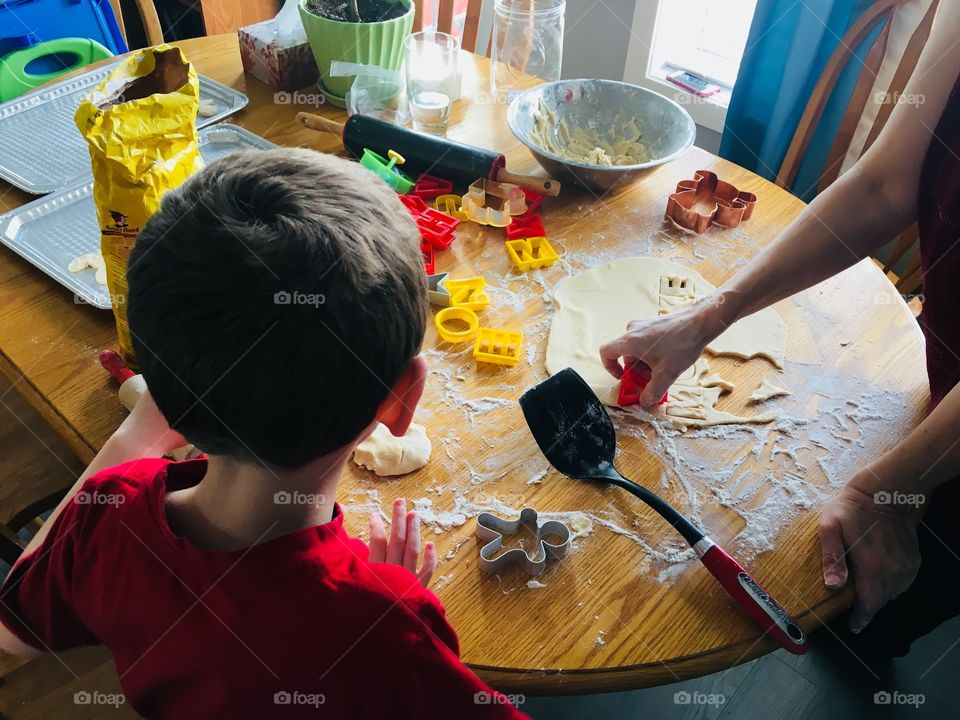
358 10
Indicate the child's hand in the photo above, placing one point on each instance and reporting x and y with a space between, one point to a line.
403 547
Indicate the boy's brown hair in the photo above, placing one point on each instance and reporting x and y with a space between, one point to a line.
275 298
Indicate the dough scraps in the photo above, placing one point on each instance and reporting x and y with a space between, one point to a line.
619 144
766 390
595 306
389 455
693 398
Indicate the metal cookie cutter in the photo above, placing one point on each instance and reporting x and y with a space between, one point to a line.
705 200
491 529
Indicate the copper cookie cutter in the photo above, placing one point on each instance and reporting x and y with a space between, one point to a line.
707 199
492 529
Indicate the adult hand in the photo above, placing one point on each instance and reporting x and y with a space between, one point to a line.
668 345
874 532
403 547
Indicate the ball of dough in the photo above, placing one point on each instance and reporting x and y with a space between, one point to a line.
388 455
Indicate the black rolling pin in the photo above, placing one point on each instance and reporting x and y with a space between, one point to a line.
426 153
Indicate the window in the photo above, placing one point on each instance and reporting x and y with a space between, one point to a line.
704 37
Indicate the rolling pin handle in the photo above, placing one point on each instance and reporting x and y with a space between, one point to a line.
320 123
544 186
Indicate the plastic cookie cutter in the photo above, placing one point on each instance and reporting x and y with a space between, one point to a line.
429 254
531 253
500 347
525 226
437 292
429 187
386 169
533 200
634 379
451 205
445 319
549 541
705 200
493 203
468 293
436 228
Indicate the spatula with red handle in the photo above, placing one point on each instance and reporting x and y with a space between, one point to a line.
576 435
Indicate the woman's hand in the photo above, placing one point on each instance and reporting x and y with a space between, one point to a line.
403 548
875 529
668 345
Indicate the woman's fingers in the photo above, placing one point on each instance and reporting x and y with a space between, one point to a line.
411 551
832 552
610 354
378 539
398 532
429 564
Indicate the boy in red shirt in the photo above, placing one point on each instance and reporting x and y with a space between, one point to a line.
277 304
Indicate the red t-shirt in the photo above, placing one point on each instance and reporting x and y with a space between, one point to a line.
297 624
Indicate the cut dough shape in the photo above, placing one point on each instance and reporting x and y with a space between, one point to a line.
388 455
595 306
93 260
767 390
207 108
693 398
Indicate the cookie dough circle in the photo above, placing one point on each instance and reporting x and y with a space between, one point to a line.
595 306
388 455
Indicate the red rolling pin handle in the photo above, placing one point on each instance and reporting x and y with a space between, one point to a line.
111 361
751 596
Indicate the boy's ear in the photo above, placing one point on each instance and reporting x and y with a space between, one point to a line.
396 412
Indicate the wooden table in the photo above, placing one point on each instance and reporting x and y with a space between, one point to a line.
603 621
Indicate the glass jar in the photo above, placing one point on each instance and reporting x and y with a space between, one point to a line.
527 43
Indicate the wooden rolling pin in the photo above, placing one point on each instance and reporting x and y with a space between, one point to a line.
425 153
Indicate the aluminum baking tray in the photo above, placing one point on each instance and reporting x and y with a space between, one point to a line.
53 230
41 149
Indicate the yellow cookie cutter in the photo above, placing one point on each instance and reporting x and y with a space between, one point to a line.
531 253
456 313
501 347
468 293
452 206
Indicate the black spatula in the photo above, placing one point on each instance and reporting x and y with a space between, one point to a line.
576 435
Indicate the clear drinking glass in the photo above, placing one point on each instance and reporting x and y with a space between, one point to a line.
527 41
431 67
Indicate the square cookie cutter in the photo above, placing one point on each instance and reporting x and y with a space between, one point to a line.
492 529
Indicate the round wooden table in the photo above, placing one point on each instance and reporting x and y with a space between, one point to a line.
610 616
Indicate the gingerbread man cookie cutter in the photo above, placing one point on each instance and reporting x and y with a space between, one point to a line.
705 200
492 529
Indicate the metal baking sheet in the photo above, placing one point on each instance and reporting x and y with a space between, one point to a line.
53 230
41 149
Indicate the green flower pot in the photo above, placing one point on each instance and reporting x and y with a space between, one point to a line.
374 43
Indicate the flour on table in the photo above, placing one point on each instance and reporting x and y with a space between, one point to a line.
388 455
595 306
767 391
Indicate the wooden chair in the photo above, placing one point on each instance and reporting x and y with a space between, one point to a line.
36 469
148 18
445 13
881 12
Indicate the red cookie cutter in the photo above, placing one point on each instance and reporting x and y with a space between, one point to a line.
634 379
436 228
429 254
533 201
707 199
525 226
429 187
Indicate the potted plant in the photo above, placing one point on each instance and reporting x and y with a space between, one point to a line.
368 32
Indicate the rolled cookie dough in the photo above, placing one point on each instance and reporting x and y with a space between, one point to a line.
595 306
387 454
693 399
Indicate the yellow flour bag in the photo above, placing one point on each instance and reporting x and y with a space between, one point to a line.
140 124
